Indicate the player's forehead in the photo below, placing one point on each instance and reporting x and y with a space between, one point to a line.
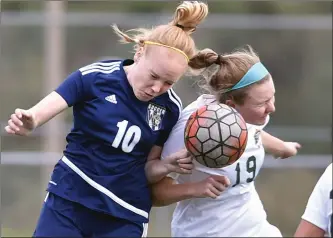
165 62
262 92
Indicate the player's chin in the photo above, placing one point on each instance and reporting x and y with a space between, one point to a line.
260 121
143 97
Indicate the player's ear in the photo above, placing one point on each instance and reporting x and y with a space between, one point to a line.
230 103
138 54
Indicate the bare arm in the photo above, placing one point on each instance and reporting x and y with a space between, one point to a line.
307 229
48 107
167 192
156 169
22 122
279 148
272 144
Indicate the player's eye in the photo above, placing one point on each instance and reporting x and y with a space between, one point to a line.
154 76
169 83
261 104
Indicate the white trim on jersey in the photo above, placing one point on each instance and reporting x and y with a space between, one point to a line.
173 96
105 68
103 189
145 230
176 96
101 71
101 64
46 197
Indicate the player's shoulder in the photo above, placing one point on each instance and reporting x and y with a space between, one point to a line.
204 99
327 175
328 170
324 184
103 67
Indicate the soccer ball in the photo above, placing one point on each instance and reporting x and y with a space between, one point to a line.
216 135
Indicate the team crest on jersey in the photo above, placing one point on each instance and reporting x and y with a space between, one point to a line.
256 136
155 115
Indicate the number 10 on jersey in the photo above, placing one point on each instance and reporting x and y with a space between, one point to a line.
129 136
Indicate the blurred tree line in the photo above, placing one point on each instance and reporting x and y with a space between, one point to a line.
260 7
299 60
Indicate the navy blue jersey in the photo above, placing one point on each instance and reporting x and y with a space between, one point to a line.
113 132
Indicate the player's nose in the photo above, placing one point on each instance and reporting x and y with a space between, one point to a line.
157 87
270 107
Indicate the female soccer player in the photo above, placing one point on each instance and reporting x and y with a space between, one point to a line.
317 219
241 81
123 112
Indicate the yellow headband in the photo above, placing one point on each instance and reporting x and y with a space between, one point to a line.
178 50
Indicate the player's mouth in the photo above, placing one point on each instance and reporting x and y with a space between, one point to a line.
145 96
148 95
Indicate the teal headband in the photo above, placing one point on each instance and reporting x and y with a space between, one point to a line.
256 73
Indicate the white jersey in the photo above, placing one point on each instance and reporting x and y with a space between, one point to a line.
238 211
319 208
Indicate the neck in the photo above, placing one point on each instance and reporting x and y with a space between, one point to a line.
127 68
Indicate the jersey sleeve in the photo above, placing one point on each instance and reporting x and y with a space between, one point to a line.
316 208
175 141
164 136
75 87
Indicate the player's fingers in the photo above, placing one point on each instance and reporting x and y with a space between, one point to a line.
222 180
18 112
9 130
179 155
184 171
16 120
215 185
297 145
214 190
185 160
25 113
211 195
184 154
188 166
219 186
13 126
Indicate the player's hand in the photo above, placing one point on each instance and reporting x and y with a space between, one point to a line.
212 186
179 162
21 122
290 149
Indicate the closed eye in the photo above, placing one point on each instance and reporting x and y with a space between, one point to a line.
154 76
